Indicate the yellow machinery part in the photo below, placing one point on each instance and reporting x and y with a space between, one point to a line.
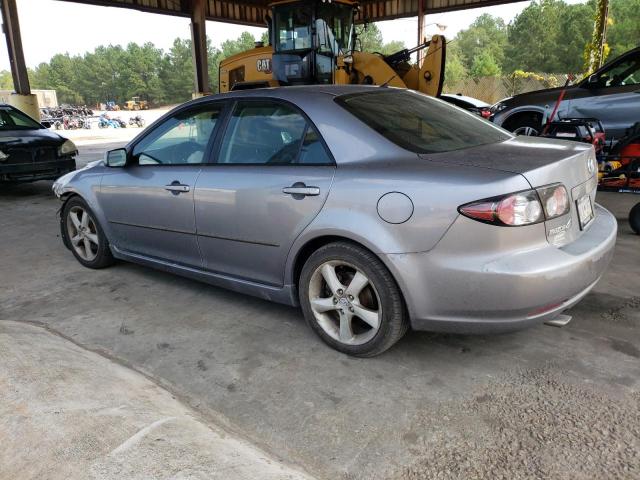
431 78
373 65
252 66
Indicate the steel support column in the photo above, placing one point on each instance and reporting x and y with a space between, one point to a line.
199 46
420 31
11 28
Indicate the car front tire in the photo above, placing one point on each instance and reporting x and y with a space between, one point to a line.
351 300
634 218
528 125
84 236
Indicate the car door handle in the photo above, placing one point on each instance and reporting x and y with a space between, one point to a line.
177 187
302 191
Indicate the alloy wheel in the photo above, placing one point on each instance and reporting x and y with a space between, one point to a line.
82 232
526 130
345 303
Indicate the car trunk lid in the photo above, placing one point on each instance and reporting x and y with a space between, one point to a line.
541 162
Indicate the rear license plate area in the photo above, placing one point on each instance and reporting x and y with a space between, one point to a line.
585 211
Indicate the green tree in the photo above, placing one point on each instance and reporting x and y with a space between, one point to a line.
548 36
6 80
369 38
177 72
265 37
246 41
623 31
487 35
62 76
455 69
142 68
484 65
392 47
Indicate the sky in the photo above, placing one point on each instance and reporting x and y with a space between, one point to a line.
51 26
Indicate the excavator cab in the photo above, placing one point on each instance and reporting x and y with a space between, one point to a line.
313 42
307 37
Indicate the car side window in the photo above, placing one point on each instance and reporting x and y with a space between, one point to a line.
313 151
10 118
270 133
181 139
626 72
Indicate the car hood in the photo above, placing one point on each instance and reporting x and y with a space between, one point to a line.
547 96
26 138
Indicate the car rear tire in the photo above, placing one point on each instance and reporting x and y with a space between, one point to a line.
351 301
84 236
634 218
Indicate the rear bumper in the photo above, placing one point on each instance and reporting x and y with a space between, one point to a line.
472 290
28 172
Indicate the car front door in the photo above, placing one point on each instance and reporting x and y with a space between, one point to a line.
611 95
149 202
270 179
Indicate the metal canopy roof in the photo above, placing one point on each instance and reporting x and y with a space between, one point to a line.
252 12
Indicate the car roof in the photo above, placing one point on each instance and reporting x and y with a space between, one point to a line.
316 101
295 93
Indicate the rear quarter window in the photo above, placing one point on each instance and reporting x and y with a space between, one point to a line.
420 123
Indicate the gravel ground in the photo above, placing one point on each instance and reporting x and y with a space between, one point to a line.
531 424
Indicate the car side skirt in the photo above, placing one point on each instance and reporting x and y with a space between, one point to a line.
286 294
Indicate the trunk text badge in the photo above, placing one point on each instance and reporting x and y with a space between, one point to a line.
557 235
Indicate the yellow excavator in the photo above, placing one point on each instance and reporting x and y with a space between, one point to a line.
315 42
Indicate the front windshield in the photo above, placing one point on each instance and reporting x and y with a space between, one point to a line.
292 28
334 23
11 119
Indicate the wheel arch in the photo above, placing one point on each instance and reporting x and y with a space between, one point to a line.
64 198
305 250
522 114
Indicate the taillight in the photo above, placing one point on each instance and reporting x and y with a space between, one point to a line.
520 208
485 113
555 200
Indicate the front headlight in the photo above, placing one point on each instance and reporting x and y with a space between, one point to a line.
67 148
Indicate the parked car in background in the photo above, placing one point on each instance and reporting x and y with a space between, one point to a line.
468 103
29 151
611 94
373 208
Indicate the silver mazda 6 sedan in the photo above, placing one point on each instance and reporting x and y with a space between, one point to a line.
372 208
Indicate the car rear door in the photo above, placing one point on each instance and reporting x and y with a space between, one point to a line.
149 203
270 178
612 96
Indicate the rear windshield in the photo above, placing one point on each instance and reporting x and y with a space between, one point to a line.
420 123
11 119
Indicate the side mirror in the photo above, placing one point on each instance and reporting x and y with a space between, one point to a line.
116 158
592 81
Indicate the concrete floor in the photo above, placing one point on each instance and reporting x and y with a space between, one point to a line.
541 403
87 417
